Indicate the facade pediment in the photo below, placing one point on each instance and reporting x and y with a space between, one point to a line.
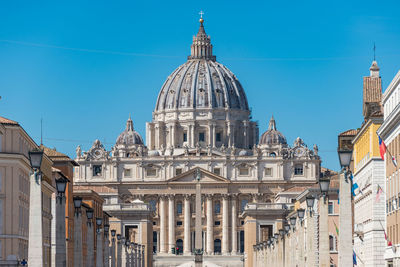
194 174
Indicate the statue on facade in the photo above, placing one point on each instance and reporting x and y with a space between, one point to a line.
78 152
209 150
315 150
233 150
186 150
198 149
223 149
140 151
162 148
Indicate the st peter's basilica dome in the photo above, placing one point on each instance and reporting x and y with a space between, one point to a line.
272 136
201 82
129 136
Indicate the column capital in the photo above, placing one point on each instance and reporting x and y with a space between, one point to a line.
225 196
171 196
209 196
187 196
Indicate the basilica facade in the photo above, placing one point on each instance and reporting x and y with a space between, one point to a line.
201 133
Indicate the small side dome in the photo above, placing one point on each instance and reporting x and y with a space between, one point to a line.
272 136
129 136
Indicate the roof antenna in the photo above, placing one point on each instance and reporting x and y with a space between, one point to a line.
41 131
374 50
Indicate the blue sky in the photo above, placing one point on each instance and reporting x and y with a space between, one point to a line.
85 66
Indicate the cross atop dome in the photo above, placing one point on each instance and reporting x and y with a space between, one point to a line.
201 47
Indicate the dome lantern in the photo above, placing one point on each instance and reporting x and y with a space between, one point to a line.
272 136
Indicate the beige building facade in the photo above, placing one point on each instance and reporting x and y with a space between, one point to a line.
15 170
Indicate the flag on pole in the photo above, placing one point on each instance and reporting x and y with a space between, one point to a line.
378 194
353 189
394 161
382 148
337 229
354 258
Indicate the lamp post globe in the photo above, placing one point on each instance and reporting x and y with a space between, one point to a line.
61 185
89 214
99 221
106 228
287 228
292 221
324 185
118 237
35 158
113 231
77 202
300 213
310 201
345 156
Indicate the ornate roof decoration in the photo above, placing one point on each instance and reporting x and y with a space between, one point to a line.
129 136
96 152
272 136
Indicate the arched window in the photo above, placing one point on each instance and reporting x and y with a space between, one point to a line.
217 246
179 246
243 204
272 154
217 207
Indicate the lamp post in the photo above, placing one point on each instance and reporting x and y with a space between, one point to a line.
345 211
113 232
78 260
143 253
106 245
310 203
61 252
119 251
324 255
35 245
99 243
90 238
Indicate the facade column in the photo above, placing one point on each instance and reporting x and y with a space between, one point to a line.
35 245
225 223
210 135
324 254
192 133
210 233
213 136
173 135
157 136
345 222
106 250
187 223
90 244
229 134
171 223
234 225
119 253
61 250
99 248
246 134
77 240
163 225
113 252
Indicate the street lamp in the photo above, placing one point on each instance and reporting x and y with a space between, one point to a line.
99 221
61 185
99 243
60 255
281 233
113 231
324 186
35 158
310 203
292 221
106 228
345 156
118 237
89 215
276 235
77 205
300 213
287 228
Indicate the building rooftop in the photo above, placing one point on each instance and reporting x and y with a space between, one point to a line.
8 121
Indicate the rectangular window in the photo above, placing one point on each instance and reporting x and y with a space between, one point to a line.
331 209
202 137
151 172
218 137
96 170
217 223
217 171
179 223
185 137
298 169
243 171
268 172
178 171
127 173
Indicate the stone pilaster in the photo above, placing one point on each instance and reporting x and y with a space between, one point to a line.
35 249
324 257
234 224
187 223
210 226
78 261
90 245
225 225
163 224
60 256
99 249
345 223
171 223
